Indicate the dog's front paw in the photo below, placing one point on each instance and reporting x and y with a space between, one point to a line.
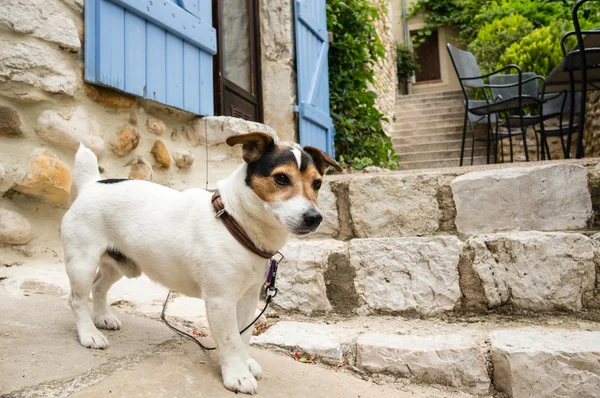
107 320
239 379
93 339
255 369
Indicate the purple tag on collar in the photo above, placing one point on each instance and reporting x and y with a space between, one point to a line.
272 271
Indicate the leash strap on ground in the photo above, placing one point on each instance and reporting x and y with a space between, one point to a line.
270 291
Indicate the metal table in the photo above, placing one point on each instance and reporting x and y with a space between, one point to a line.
568 76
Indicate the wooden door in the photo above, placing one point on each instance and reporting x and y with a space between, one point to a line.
429 59
237 67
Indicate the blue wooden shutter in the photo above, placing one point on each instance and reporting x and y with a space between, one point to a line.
157 49
312 45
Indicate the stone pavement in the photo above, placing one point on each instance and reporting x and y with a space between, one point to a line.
40 357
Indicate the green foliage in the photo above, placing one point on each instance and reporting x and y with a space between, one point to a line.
440 13
537 52
359 140
525 32
406 62
494 38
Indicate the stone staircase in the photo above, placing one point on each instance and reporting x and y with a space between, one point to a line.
477 283
427 131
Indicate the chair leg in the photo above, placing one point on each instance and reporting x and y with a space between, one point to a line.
537 146
562 143
524 135
580 152
472 141
510 142
464 137
571 113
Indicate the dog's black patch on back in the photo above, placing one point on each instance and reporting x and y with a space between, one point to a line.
113 180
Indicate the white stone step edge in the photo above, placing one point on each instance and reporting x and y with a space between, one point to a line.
525 361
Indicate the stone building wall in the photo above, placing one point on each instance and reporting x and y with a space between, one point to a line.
591 133
46 109
386 80
278 67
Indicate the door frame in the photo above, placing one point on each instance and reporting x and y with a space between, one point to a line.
221 84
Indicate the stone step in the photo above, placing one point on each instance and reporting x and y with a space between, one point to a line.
436 155
436 146
427 124
441 164
426 130
439 95
481 358
428 117
423 111
426 137
420 275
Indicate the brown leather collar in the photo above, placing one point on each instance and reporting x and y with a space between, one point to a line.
235 229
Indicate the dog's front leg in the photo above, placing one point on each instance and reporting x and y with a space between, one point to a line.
246 312
232 350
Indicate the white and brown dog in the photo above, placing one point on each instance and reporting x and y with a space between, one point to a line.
119 228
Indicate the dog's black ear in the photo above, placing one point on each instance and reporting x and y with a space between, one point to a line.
322 160
253 145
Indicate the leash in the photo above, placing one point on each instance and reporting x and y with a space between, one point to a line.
270 291
240 235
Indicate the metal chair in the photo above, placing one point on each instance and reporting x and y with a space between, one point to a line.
583 65
504 87
470 77
559 107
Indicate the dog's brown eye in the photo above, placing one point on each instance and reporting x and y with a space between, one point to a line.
317 185
282 179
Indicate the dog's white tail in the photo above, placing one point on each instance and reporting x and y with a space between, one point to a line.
86 168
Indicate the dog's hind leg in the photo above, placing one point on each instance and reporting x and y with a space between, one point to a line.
246 312
81 268
232 350
108 274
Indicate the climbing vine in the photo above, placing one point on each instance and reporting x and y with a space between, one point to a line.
359 140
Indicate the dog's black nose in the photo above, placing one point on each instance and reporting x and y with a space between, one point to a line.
312 218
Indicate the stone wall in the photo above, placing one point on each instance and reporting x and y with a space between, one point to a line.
386 80
591 134
513 239
278 67
46 109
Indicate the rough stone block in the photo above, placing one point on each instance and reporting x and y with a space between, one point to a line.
41 19
24 66
395 205
127 140
452 360
183 159
14 228
110 98
141 170
214 130
48 179
10 121
545 364
543 198
324 341
300 279
407 274
540 271
155 125
159 150
327 202
68 129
